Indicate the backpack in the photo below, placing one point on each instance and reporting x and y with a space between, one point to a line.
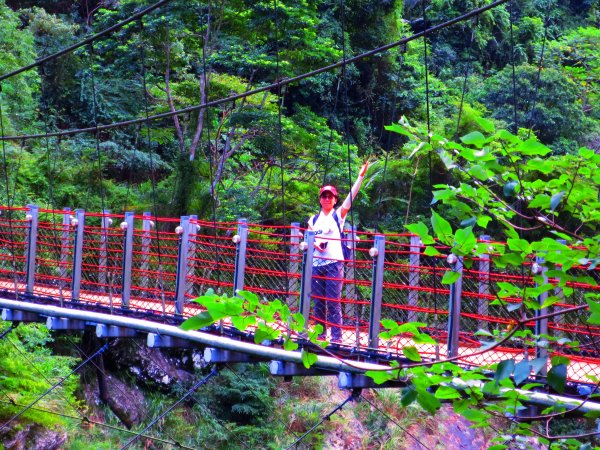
346 250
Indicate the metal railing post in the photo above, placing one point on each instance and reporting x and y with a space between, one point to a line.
454 306
306 280
240 257
127 226
541 325
64 250
376 291
191 256
32 235
145 249
103 259
295 258
77 254
349 271
484 285
558 292
414 274
183 230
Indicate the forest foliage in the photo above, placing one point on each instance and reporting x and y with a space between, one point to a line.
492 124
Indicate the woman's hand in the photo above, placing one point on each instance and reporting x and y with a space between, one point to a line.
363 169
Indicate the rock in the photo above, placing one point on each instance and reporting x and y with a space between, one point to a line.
32 436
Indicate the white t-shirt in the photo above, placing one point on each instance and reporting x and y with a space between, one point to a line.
326 230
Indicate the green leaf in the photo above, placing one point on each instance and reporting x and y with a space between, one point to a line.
428 401
431 251
243 322
474 415
504 370
485 124
465 240
447 393
479 172
409 395
483 221
557 378
411 353
380 376
290 345
442 228
470 222
509 188
522 371
197 322
450 277
397 128
475 138
421 230
308 359
555 200
538 364
532 147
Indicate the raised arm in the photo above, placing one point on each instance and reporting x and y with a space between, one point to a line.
355 188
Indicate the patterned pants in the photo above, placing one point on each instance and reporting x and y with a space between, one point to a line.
328 311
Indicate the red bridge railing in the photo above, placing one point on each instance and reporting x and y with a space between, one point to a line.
129 263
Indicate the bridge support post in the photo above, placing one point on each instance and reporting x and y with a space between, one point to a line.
378 253
454 306
64 251
351 308
127 226
240 256
183 230
145 258
32 235
103 260
541 325
484 285
414 274
77 254
307 270
559 293
295 259
192 239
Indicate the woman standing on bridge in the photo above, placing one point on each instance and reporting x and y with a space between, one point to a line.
328 261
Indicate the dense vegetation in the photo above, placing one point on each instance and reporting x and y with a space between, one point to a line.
530 67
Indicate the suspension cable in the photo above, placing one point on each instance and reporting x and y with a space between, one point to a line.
241 380
394 421
98 352
95 121
211 160
101 424
8 201
331 127
89 40
432 264
512 63
539 71
203 381
161 281
327 416
8 330
272 86
281 149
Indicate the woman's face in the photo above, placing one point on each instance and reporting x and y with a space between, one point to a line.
327 201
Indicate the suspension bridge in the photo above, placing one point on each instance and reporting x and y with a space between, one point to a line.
128 266
130 275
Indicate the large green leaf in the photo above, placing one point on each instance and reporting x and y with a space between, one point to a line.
557 377
474 138
197 322
411 353
441 228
